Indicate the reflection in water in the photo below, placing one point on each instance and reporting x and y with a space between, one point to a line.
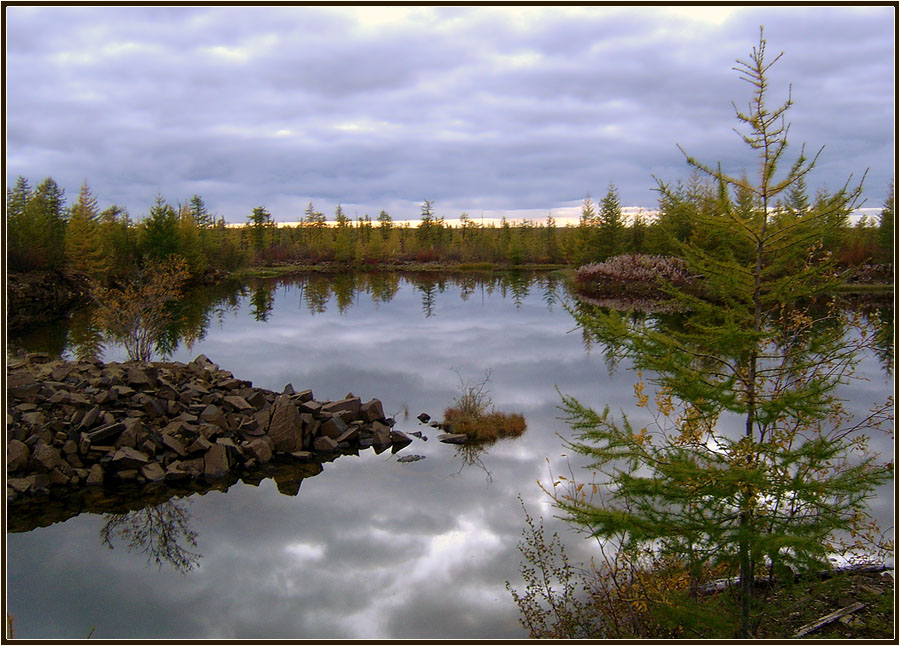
469 454
261 302
163 532
81 336
390 539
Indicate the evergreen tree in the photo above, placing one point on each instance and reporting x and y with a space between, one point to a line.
192 236
611 228
425 232
384 224
17 225
37 231
259 221
774 493
119 242
84 248
159 231
201 216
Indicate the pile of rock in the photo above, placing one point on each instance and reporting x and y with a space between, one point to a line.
75 424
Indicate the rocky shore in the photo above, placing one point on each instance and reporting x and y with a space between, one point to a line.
42 296
77 427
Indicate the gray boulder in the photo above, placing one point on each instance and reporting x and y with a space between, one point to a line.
284 427
17 455
216 462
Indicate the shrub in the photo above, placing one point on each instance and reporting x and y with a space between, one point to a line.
470 414
633 274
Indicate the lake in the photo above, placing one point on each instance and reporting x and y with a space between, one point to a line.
371 547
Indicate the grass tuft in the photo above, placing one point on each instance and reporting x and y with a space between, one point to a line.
472 414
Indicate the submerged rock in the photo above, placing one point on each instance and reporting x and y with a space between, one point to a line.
411 458
453 438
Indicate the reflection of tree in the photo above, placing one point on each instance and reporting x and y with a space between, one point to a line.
187 318
344 286
548 285
884 337
156 531
85 338
429 291
518 287
316 292
470 455
383 286
262 301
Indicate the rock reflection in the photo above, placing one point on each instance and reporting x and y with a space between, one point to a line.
163 532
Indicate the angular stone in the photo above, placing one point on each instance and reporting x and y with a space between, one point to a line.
212 414
302 396
423 417
284 427
351 435
333 427
57 477
133 434
153 472
90 418
181 469
128 458
216 462
200 445
154 407
135 377
261 449
400 439
210 432
324 444
256 399
105 433
351 404
123 391
381 434
371 411
44 458
237 403
204 362
17 455
34 418
172 442
95 475
311 406
19 485
235 452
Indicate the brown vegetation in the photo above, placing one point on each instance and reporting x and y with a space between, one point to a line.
470 414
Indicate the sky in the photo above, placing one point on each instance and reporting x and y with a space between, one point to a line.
503 110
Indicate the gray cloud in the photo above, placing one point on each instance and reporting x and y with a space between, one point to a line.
475 108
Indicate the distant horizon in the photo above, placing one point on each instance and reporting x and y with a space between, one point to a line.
504 109
572 216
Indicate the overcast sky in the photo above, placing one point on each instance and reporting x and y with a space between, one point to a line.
496 109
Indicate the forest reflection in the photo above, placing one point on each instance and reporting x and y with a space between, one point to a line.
82 337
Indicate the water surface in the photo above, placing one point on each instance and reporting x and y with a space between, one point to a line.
370 547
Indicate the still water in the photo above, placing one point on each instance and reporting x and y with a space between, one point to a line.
371 547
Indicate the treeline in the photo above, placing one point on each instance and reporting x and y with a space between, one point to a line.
45 233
